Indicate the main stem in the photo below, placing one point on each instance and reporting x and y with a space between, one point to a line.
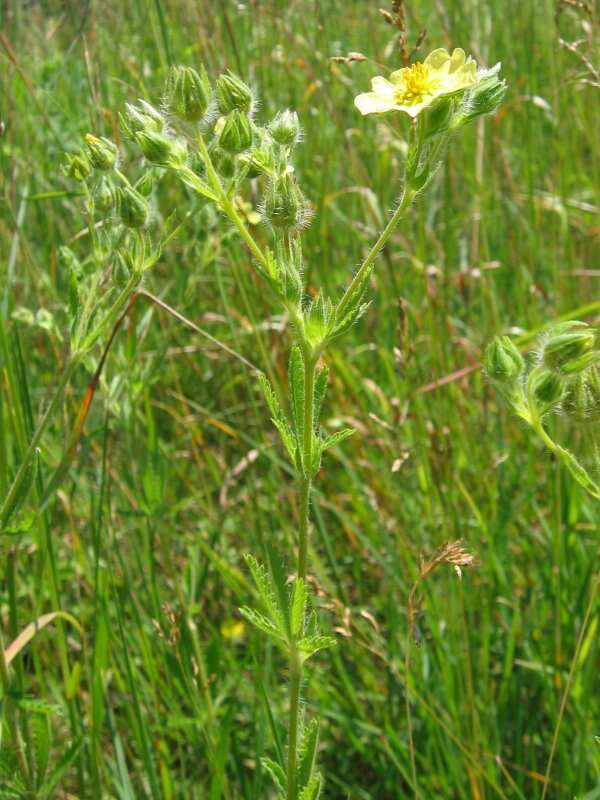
303 530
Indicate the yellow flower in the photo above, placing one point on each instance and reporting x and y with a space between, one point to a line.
413 88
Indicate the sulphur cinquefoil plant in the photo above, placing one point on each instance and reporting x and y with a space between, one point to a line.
208 135
563 378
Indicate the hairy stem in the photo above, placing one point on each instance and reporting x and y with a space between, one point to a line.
292 766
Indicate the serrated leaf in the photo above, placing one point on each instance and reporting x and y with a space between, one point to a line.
336 438
296 373
270 396
316 453
299 597
320 391
279 577
312 790
276 773
265 589
35 706
261 622
309 645
196 183
287 437
308 753
579 472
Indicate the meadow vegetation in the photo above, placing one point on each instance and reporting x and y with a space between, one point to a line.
160 469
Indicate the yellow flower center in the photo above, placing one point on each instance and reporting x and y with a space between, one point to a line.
417 84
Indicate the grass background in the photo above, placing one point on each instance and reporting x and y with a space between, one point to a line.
179 472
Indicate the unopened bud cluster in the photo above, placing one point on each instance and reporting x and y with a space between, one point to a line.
564 378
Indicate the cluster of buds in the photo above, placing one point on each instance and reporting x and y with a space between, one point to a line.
566 377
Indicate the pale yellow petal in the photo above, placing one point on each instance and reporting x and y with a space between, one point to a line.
381 85
457 59
374 103
438 60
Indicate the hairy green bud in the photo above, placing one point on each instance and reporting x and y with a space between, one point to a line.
259 161
78 167
142 117
224 164
104 195
284 205
548 390
581 401
484 97
133 208
236 133
188 93
233 94
503 362
285 128
570 347
102 152
161 150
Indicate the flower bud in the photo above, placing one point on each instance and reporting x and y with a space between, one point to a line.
102 152
233 94
224 164
145 184
285 128
104 195
188 93
570 347
161 150
236 133
284 205
581 402
142 117
133 208
548 390
483 97
503 362
78 167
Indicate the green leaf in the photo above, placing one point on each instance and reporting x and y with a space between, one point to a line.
276 773
279 577
261 622
268 596
578 472
309 645
299 598
320 391
336 438
308 753
296 372
270 396
278 417
312 790
287 437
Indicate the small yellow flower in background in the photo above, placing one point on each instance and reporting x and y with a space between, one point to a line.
413 88
233 629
